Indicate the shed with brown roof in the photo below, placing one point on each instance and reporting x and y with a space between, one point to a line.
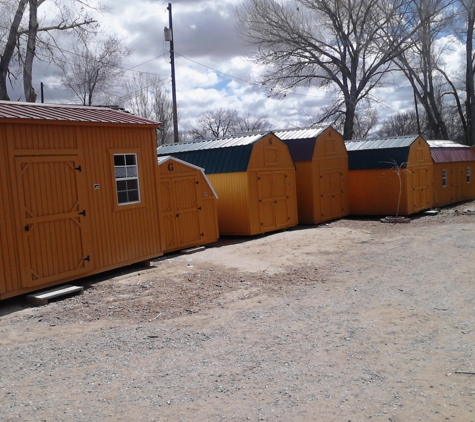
454 170
79 193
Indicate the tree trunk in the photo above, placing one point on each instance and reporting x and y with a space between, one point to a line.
470 102
30 93
7 55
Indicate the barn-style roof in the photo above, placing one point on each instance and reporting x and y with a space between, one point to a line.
379 153
222 155
67 113
448 151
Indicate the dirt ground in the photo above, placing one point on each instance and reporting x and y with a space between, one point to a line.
354 320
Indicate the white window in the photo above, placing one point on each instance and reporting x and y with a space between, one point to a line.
444 178
126 178
468 175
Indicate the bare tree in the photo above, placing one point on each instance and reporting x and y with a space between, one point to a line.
365 122
250 123
146 97
423 64
215 124
19 42
94 67
342 44
400 124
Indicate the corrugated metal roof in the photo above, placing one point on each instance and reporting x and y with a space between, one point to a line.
289 134
383 153
221 155
68 113
381 143
448 151
227 142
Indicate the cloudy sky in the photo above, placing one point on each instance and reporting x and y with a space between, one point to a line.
212 69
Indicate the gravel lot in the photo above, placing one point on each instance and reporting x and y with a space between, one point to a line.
354 320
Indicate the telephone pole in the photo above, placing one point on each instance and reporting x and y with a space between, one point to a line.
169 37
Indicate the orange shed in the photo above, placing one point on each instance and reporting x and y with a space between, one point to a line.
254 177
454 169
321 164
79 193
188 214
389 176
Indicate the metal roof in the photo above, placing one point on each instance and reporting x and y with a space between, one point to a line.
68 113
448 151
381 143
222 155
226 142
381 153
289 134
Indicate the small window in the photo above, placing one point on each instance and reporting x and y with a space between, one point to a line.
444 178
126 178
468 175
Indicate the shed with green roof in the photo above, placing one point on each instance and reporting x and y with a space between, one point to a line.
389 176
253 176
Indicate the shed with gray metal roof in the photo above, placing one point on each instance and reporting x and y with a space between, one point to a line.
321 164
389 176
254 178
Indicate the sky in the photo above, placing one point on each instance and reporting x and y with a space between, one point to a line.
212 66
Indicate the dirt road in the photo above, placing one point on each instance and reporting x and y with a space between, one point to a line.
355 320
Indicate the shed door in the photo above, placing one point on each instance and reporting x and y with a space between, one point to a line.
457 177
53 218
421 188
331 194
273 200
180 212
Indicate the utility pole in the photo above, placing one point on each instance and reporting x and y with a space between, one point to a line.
169 37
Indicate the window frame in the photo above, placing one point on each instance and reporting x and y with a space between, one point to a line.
444 178
138 164
468 175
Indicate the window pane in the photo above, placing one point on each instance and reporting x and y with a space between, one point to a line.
130 159
132 172
133 195
119 160
121 185
120 172
132 184
122 197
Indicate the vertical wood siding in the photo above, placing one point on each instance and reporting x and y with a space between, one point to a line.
457 189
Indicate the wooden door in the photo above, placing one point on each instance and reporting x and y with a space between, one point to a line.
331 194
421 191
273 197
179 213
53 215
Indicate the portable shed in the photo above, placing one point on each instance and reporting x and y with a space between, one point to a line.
389 176
188 213
79 193
454 169
254 178
321 163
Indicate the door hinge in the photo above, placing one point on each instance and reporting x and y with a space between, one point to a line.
78 168
199 208
88 258
83 213
27 228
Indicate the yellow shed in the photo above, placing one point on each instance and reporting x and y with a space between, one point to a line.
79 193
454 169
321 167
188 213
389 176
254 177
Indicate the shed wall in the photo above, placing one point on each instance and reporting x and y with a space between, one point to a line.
458 188
234 213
